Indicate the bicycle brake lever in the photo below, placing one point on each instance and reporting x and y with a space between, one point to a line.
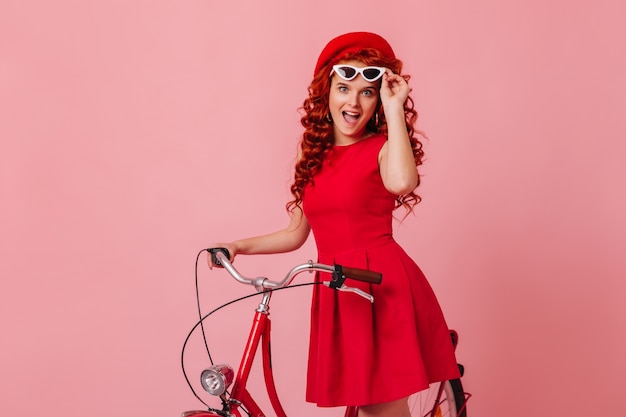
357 291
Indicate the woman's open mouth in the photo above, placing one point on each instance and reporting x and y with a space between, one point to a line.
351 117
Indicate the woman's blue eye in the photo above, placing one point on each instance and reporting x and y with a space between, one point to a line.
343 88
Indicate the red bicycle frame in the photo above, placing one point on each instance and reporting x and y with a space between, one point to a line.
260 333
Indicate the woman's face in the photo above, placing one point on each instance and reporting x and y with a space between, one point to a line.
352 104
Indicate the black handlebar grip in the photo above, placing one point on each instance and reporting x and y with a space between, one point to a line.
363 275
214 251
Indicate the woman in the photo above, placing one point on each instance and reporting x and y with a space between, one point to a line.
357 163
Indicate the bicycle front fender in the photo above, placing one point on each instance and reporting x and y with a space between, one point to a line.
199 413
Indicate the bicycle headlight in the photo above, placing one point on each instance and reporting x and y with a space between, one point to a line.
217 378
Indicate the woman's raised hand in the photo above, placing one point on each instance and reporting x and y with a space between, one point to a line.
394 90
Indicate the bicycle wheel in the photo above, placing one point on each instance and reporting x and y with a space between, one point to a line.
441 399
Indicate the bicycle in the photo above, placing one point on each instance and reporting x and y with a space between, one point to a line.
445 399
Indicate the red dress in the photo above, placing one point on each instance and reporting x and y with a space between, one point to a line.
360 352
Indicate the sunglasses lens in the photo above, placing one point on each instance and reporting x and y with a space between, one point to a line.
347 73
370 74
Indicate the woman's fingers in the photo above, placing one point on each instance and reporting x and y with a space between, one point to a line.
394 87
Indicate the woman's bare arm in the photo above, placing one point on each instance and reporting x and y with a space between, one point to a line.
397 162
285 240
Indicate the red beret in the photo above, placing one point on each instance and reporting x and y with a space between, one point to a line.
350 43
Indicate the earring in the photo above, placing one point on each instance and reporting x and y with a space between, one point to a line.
376 119
329 118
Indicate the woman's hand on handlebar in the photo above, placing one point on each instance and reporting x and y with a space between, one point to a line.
230 247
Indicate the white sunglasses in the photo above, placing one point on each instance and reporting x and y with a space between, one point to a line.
349 72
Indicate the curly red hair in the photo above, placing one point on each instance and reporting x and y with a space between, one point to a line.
317 138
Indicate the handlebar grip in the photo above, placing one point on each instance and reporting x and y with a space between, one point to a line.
214 252
363 275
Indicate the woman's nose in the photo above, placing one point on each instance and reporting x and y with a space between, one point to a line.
353 99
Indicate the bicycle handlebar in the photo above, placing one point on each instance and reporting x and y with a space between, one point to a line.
221 257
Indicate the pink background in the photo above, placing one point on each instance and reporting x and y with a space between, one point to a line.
135 133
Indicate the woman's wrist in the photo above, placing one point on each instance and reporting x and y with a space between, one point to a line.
393 106
236 247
